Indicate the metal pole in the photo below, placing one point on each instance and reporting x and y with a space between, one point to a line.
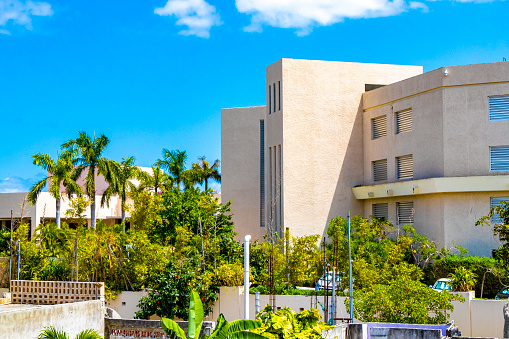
333 303
326 283
10 256
257 302
19 253
246 276
350 269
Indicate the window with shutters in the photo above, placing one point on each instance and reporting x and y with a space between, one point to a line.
380 170
270 100
405 212
405 167
381 210
499 158
494 203
378 127
499 108
404 121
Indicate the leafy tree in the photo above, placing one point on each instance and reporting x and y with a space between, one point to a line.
205 171
90 157
175 163
500 229
59 174
124 172
402 300
171 291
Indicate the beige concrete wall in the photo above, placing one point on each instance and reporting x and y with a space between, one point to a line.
487 318
71 318
321 136
240 164
126 303
449 218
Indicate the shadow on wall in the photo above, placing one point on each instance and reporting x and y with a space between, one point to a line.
351 174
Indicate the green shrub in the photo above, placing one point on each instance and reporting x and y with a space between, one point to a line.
487 269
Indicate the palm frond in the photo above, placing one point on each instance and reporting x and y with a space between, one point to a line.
52 333
35 190
88 334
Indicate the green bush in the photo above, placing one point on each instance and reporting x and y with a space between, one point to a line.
487 269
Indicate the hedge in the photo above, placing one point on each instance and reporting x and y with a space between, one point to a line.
479 265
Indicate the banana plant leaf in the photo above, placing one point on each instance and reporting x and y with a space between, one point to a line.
195 316
170 326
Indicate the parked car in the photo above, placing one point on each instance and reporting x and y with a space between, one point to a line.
320 285
442 284
503 294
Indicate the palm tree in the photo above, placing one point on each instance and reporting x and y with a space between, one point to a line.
206 172
59 174
157 180
175 163
90 151
52 333
124 172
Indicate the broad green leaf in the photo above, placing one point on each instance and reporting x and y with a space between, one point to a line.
221 324
170 326
245 335
195 316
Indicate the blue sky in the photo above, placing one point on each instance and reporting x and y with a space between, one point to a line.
155 74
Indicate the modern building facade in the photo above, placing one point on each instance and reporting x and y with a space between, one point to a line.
385 140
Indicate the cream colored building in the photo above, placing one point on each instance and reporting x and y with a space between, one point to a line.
429 149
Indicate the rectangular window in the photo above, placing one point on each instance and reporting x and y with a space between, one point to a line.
262 173
405 167
378 127
404 121
405 212
279 95
499 159
274 87
499 108
494 203
380 170
381 210
270 100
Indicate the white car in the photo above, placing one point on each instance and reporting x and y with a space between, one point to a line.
320 285
442 284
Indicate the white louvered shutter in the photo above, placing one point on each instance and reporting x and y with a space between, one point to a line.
494 203
379 127
499 159
405 167
499 108
404 121
405 212
381 210
380 170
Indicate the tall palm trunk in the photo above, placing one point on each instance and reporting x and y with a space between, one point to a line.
58 212
92 210
206 184
123 212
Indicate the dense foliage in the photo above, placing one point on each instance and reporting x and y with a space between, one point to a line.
286 324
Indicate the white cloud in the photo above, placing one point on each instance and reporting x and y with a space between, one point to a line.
4 31
303 15
17 184
198 15
20 13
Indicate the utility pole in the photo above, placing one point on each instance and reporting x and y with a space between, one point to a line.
350 269
10 256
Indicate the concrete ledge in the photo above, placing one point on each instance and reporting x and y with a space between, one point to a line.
495 183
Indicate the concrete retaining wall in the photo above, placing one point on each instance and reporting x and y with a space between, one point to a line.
28 322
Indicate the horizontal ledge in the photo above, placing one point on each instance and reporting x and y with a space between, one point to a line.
432 186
